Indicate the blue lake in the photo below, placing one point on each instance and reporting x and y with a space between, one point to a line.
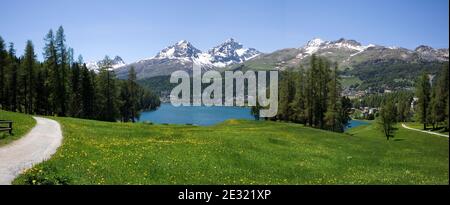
167 113
356 123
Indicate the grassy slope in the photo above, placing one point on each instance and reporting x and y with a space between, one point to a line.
241 152
22 123
348 81
418 125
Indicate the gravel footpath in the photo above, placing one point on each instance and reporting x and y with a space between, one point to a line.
36 146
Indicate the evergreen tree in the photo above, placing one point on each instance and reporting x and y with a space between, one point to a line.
107 91
125 103
61 86
50 61
88 93
439 97
298 105
27 77
3 55
133 92
286 94
129 97
310 90
70 58
403 110
434 108
13 78
42 91
423 93
62 58
323 79
332 116
346 109
75 107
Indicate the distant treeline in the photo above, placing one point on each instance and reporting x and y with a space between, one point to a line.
401 99
376 100
64 87
313 97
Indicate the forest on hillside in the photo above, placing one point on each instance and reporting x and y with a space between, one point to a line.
63 86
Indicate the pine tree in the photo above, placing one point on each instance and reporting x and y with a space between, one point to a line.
332 116
62 58
27 77
403 108
50 60
298 105
434 108
346 109
13 78
439 97
88 93
124 102
318 85
133 91
423 93
3 55
286 94
75 94
310 90
107 91
64 87
70 58
41 106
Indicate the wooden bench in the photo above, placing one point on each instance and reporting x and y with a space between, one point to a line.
6 128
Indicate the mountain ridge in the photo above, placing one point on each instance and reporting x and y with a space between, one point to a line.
346 52
231 55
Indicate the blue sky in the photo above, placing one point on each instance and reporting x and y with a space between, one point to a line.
136 29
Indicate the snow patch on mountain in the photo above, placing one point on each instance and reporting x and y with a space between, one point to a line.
227 53
116 62
317 45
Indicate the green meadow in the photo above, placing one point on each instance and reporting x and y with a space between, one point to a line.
239 152
22 123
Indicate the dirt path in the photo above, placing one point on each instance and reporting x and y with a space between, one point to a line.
433 133
36 146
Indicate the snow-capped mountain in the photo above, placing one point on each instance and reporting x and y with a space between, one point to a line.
430 54
182 55
318 45
116 62
347 53
231 52
227 53
181 50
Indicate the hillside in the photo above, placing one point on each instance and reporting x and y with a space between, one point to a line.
239 152
368 66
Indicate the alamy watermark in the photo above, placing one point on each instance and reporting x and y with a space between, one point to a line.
234 95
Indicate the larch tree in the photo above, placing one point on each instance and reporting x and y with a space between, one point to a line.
27 77
423 89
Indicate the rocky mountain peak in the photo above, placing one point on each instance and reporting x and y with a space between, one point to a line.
424 48
182 49
230 52
349 42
